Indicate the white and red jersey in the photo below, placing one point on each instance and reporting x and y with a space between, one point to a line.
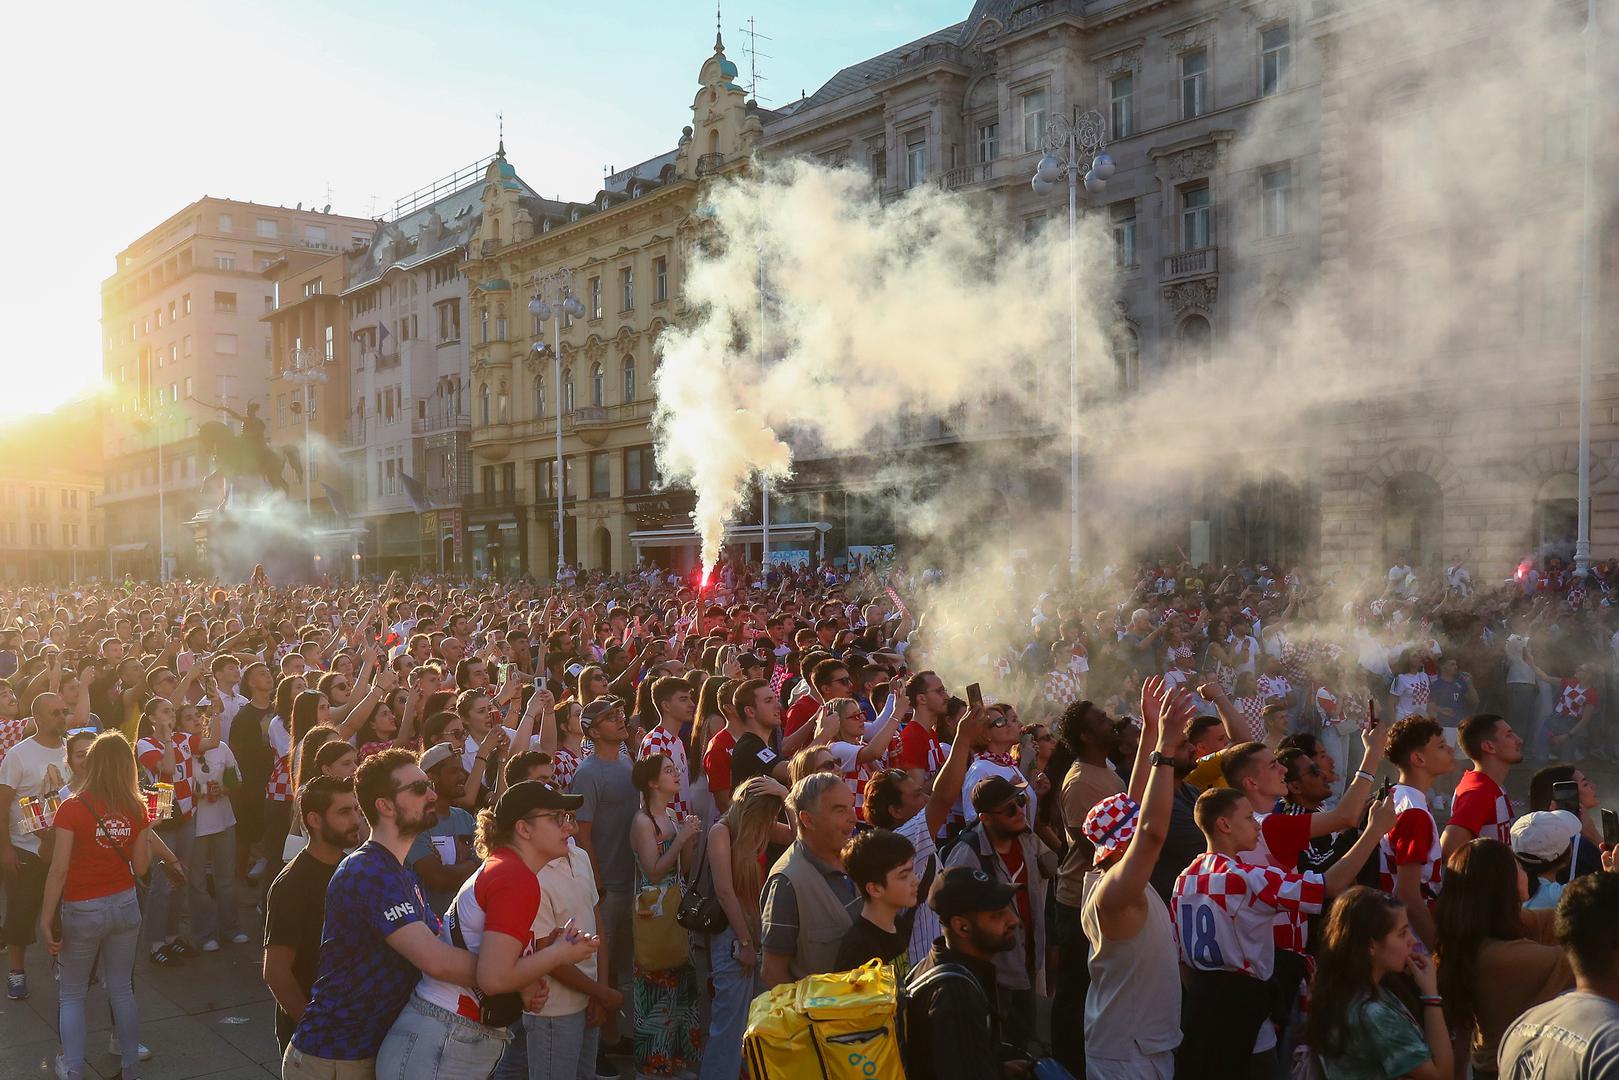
1326 707
11 733
1282 837
1482 808
278 788
564 765
1410 691
1414 839
854 773
1253 713
1274 688
1574 698
1062 688
503 895
660 740
149 752
1225 911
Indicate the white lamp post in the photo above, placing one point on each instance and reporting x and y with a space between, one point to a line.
557 284
1081 142
305 375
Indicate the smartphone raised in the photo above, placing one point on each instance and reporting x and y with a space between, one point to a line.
1610 828
1566 796
1387 789
975 696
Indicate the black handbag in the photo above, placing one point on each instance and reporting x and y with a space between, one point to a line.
699 913
494 1010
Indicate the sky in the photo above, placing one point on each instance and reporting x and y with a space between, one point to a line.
122 114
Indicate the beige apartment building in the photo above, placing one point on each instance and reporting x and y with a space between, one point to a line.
182 335
623 251
52 527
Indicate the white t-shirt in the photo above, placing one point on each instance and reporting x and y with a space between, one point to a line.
469 756
280 738
984 768
567 891
229 702
31 770
926 925
209 769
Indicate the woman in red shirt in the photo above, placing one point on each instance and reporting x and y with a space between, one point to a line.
102 841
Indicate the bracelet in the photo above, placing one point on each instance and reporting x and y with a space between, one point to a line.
1431 999
1362 774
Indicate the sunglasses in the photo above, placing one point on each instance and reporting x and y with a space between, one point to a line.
1019 802
415 787
71 732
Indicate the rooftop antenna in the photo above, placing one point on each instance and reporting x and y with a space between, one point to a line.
753 37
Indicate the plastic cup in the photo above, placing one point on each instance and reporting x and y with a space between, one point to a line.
165 801
33 813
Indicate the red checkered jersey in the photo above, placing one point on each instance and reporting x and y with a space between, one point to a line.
920 748
1274 687
854 774
717 760
1063 688
278 788
1225 910
564 764
660 740
11 733
1282 837
1414 839
1574 699
1482 808
1253 711
149 752
1410 692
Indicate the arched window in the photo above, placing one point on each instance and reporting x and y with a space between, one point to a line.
629 379
1557 515
539 396
1127 359
598 384
483 404
1413 516
567 390
1195 341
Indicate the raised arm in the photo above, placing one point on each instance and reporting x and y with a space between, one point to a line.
970 732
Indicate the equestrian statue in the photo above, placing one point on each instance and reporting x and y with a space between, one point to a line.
246 456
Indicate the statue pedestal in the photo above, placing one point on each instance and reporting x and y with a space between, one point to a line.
280 536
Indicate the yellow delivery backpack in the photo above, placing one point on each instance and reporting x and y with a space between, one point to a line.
838 1026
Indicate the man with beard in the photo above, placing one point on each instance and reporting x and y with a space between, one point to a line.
1002 845
297 899
953 1024
378 934
442 854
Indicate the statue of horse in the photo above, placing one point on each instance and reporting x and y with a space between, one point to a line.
234 458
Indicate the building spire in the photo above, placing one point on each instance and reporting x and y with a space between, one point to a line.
500 122
719 42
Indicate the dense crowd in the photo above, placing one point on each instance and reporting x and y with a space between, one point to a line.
1173 820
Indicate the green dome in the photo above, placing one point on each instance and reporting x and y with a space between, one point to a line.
506 169
727 68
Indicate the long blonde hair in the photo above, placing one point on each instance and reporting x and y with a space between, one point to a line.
748 819
109 776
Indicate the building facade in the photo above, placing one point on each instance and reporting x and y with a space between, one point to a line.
408 421
624 254
52 526
182 336
307 376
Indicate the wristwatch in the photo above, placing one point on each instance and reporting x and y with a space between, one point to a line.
1156 759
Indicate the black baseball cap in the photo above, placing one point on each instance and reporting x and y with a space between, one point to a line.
992 792
524 798
966 890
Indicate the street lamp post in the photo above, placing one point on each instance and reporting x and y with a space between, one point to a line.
558 284
1081 143
305 375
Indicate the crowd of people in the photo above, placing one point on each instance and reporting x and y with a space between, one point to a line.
1168 821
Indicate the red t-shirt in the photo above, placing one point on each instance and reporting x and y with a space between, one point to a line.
717 760
920 748
503 896
803 710
1017 875
1482 808
96 868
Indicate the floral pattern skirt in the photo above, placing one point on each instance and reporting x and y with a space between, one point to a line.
667 1036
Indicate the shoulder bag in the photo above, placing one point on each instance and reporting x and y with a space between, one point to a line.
101 826
699 912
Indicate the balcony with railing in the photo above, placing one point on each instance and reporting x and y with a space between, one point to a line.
965 176
440 419
1199 262
502 499
387 360
710 163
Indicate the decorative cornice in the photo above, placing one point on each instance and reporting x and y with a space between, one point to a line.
1192 297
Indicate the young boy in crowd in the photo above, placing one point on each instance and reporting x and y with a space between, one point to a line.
1409 862
882 864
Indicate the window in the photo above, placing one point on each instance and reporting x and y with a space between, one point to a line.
626 288
63 495
598 384
225 344
269 304
1196 341
314 288
594 306
185 345
500 328
483 326
173 310
329 350
185 304
267 228
601 475
1033 226
188 387
1034 105
640 470
281 410
449 321
539 395
174 392
1122 94
629 379
989 141
483 404
1195 233
567 390
916 157
315 234
224 260
224 223
1276 201
1194 83
1275 54
879 165
1124 233
225 303
660 279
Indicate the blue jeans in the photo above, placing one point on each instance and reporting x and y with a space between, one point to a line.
163 904
550 1048
734 990
106 927
212 916
430 1043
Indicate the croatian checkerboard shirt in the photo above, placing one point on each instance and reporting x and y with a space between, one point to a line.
1225 911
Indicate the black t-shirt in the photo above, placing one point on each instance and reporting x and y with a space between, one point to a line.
251 749
865 941
751 757
293 916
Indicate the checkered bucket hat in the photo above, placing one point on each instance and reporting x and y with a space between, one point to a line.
1111 824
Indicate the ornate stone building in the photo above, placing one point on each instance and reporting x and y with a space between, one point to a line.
624 253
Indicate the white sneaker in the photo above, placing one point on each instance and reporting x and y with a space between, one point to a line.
258 868
142 1051
61 1068
210 945
239 938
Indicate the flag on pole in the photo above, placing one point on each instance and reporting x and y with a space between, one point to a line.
382 333
417 493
